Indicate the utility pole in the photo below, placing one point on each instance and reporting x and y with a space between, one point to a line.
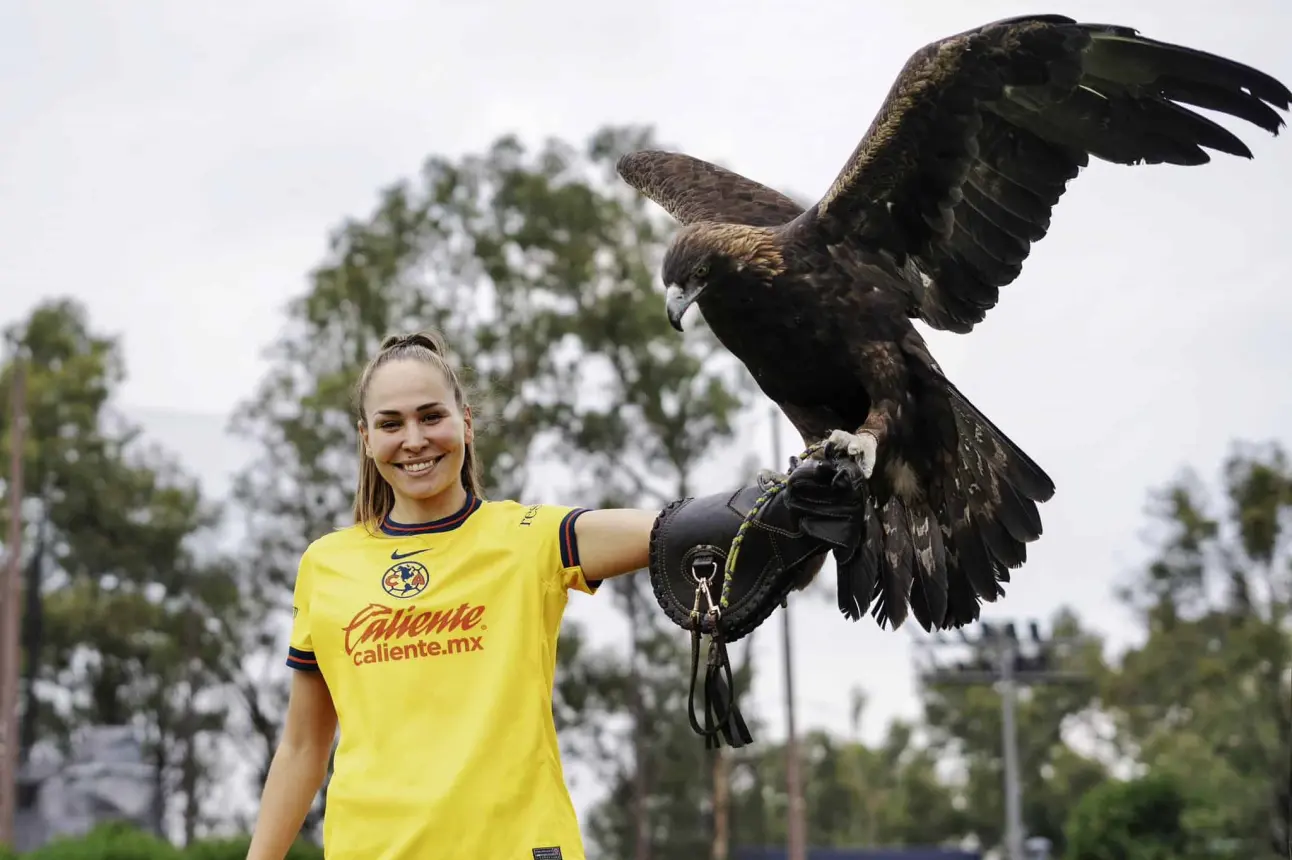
795 826
1006 657
11 614
1005 663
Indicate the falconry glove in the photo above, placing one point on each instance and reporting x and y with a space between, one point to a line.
720 565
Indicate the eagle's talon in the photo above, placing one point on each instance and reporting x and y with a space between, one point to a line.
862 447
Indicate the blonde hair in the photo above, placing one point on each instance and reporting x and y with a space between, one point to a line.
373 497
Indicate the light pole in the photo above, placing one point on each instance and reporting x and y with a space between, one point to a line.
1006 657
1008 666
796 837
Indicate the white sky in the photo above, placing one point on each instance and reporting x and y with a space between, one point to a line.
178 167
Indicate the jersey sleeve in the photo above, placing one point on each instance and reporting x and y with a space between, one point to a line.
300 646
563 547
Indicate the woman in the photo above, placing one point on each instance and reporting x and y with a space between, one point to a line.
427 632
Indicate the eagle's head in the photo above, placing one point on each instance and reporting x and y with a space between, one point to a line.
706 256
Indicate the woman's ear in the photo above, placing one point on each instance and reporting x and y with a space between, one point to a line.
468 431
363 435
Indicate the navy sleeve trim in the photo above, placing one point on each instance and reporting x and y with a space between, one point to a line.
303 660
569 543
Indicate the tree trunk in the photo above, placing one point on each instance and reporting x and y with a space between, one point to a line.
33 636
190 767
641 781
721 805
722 774
160 756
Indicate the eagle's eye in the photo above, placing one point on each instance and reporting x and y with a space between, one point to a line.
702 270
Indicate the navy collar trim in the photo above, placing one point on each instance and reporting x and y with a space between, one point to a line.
444 524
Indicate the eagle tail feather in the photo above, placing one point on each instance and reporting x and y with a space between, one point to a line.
964 604
859 575
1020 470
892 605
990 511
929 587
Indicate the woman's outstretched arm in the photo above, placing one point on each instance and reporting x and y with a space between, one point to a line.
614 541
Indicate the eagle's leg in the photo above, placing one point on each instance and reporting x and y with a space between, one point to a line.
864 444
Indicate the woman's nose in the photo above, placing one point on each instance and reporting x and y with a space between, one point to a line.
414 436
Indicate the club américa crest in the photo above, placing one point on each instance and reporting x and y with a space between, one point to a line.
406 579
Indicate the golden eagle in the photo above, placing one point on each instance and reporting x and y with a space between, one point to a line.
934 212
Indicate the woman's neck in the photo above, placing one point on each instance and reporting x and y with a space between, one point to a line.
437 507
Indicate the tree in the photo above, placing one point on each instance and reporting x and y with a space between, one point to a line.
69 376
115 595
1136 820
856 795
1207 696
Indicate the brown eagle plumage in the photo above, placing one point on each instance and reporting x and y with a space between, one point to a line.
935 211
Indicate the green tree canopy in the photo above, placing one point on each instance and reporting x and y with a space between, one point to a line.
117 601
1207 696
1137 820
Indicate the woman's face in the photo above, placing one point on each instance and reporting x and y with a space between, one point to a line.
415 433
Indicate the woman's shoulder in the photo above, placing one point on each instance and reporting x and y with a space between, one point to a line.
342 538
513 520
527 512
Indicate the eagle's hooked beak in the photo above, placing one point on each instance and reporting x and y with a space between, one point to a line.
678 299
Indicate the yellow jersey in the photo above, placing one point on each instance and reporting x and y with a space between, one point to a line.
438 644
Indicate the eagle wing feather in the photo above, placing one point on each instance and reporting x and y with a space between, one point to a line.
981 132
691 189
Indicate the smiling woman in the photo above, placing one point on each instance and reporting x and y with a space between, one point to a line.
427 633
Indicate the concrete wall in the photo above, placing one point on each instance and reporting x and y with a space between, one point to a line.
105 778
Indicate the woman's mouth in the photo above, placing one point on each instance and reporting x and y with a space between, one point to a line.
419 467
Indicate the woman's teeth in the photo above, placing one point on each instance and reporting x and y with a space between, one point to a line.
417 468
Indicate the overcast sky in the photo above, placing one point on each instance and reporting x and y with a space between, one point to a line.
178 167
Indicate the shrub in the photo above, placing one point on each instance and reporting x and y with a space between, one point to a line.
1136 820
123 842
235 848
112 841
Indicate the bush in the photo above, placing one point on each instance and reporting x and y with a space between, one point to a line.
235 848
123 842
107 842
1136 820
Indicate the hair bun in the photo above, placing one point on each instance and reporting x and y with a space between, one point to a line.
426 340
423 339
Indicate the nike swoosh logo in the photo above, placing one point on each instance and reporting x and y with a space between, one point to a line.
397 555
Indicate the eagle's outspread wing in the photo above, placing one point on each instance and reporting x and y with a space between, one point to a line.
981 132
935 212
692 190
